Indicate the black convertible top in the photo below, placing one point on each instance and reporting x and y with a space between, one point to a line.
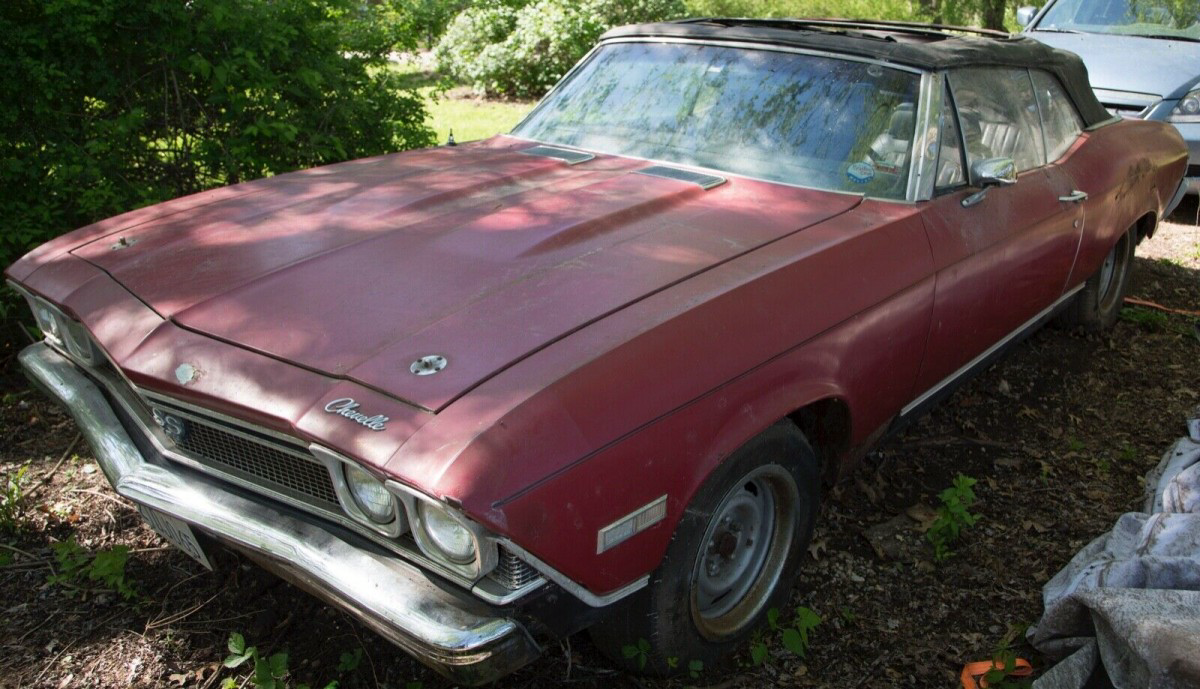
925 46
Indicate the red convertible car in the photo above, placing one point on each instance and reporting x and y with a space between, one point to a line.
593 373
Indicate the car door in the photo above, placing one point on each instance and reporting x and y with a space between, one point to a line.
1061 127
1003 257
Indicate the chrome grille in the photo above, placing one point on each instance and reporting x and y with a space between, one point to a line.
256 459
511 571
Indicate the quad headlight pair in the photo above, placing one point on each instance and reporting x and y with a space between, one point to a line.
387 507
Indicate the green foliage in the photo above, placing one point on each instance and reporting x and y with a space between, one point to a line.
114 104
106 567
267 672
521 51
776 9
1147 319
640 651
1001 675
12 500
349 661
954 516
795 638
271 671
989 13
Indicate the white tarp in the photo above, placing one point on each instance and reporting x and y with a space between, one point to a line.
1128 604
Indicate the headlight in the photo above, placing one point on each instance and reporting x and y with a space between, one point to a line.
445 533
370 496
44 314
1187 109
62 330
78 341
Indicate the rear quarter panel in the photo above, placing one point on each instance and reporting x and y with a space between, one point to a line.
1130 169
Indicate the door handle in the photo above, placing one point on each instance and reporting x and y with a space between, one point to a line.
1074 197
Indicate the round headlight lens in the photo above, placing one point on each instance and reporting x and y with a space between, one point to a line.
46 320
78 341
447 534
1188 108
370 495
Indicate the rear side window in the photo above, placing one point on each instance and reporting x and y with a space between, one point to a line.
1061 124
999 115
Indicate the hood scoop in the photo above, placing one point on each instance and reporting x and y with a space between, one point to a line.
567 156
703 180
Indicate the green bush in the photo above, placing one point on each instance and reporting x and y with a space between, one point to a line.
521 51
114 104
775 9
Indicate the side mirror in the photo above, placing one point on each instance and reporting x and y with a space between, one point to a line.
1025 15
994 172
988 173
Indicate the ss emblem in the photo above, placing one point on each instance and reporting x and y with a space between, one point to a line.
173 426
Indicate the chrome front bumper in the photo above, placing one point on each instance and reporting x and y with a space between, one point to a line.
464 639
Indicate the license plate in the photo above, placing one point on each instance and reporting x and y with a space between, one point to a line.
177 532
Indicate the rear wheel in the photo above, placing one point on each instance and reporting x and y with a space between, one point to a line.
1098 304
733 557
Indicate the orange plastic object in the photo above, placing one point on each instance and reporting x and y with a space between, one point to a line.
972 673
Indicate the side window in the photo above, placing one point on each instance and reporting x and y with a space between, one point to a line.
951 171
1061 124
999 115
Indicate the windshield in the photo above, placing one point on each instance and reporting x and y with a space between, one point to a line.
1150 18
799 119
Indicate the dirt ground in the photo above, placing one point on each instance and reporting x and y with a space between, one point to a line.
1058 436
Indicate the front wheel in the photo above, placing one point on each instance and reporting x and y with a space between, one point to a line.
733 557
1098 304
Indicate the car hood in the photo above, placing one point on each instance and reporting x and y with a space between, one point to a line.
1129 63
477 254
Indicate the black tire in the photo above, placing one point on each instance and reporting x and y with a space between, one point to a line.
1098 304
717 581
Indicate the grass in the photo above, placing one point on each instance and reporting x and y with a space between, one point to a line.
470 118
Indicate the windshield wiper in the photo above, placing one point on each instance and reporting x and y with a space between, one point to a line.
1057 30
1164 37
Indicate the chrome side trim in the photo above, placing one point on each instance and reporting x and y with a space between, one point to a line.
460 638
569 585
988 352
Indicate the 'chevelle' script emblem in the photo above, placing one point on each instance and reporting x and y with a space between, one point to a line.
347 407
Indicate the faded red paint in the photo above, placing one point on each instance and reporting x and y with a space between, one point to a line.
611 336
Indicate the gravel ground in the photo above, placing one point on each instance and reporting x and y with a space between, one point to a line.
1058 436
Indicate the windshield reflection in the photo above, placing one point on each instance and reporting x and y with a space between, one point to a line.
800 119
1171 19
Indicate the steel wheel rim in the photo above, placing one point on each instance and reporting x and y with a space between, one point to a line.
743 552
1110 272
1106 271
